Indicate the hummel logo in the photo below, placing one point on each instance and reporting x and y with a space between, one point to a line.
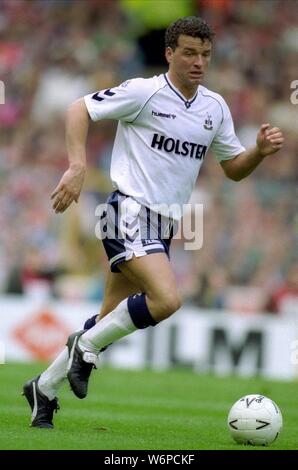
164 115
208 123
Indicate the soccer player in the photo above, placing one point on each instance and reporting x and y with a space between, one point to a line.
166 124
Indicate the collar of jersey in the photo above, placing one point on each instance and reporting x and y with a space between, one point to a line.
175 90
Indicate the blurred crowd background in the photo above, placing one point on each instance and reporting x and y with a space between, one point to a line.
54 51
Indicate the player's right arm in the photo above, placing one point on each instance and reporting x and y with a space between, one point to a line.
70 185
123 103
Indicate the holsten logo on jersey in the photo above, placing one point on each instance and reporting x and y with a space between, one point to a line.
186 149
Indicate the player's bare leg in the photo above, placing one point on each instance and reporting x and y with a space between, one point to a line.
153 276
117 288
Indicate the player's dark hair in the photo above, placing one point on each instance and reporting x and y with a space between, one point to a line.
190 26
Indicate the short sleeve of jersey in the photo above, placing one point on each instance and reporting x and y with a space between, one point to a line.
123 102
226 144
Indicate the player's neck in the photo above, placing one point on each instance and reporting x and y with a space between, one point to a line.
188 91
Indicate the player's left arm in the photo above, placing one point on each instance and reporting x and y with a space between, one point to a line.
269 141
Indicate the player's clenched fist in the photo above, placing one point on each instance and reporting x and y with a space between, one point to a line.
269 140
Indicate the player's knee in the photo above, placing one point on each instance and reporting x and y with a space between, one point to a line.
169 304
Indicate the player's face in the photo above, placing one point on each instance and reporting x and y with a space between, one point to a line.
189 61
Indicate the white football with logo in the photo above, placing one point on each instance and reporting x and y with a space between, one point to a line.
255 420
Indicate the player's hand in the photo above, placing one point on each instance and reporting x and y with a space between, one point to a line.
68 188
269 140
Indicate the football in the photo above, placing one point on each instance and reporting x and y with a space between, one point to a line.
254 420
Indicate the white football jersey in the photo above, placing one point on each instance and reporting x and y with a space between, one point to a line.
162 138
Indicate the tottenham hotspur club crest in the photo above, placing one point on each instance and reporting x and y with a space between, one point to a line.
208 123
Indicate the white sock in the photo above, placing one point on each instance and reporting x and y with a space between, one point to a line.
51 379
110 328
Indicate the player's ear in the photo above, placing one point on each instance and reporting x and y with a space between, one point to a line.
169 54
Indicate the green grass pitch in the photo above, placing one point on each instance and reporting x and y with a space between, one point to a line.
174 410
